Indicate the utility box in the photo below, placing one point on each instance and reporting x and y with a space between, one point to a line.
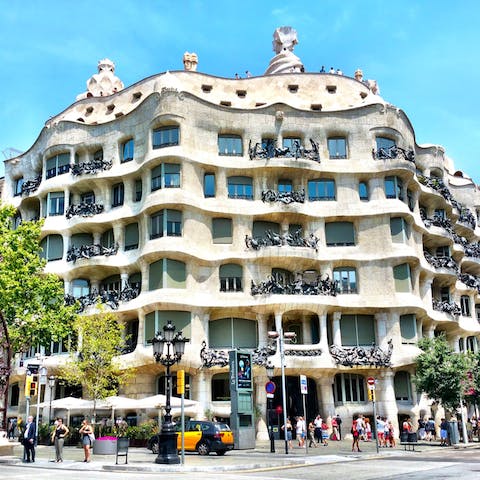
453 433
242 421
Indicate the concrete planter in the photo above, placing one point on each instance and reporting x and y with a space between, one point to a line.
105 447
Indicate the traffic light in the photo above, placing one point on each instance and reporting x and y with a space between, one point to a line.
33 388
180 382
371 395
28 384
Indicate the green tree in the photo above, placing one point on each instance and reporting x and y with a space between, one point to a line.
32 301
94 365
441 372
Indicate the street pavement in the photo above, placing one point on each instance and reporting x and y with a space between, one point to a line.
259 458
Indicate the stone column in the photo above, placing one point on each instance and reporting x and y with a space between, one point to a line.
326 399
262 330
201 384
260 399
306 330
123 280
386 403
97 236
119 236
67 240
455 343
381 324
323 332
337 334
141 328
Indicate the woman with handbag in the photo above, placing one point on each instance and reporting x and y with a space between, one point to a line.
58 438
88 438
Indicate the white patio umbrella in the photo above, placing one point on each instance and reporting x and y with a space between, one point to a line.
69 404
118 403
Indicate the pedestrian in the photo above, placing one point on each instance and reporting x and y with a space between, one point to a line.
443 433
380 431
28 437
339 426
430 430
318 428
355 436
386 433
311 435
11 429
360 427
300 430
287 429
86 431
422 432
391 434
58 438
334 429
324 433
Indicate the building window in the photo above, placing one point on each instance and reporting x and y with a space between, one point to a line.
261 228
402 277
410 200
399 229
131 236
339 234
18 186
349 388
57 165
80 287
56 203
461 344
292 144
477 312
128 150
222 230
233 333
402 386
14 395
465 305
394 187
445 294
118 193
240 188
231 278
408 328
137 194
285 186
155 321
230 145
337 147
166 223
87 197
165 137
363 191
346 278
107 239
98 155
384 143
443 251
162 385
472 344
321 189
357 330
79 240
209 185
440 213
111 284
221 387
167 273
166 175
52 247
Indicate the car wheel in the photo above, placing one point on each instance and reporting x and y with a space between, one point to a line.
221 452
155 448
203 448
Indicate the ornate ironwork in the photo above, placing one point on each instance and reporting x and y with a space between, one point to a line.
466 217
261 355
272 239
91 168
472 250
447 307
213 358
372 356
441 262
438 185
283 197
30 186
88 251
296 352
470 281
111 298
438 221
270 150
394 152
84 210
277 285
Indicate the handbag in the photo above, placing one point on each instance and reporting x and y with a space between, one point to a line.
91 436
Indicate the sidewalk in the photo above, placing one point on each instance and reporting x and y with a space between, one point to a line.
141 459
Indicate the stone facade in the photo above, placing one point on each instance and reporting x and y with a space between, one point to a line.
171 166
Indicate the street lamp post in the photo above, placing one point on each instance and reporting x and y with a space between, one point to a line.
42 380
51 385
270 372
281 337
168 349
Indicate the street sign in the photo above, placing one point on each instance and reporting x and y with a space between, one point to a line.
370 381
270 388
303 385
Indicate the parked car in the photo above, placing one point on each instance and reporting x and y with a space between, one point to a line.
201 436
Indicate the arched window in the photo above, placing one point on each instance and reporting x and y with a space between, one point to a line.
349 388
402 386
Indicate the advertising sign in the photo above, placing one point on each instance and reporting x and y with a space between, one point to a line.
244 371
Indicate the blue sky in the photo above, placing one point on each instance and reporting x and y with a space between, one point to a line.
424 54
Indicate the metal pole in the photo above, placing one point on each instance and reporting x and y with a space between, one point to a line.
182 397
306 425
464 423
284 387
39 391
375 420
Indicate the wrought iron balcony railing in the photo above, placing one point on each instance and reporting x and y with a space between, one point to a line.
394 152
30 186
372 356
447 307
277 285
270 150
283 197
88 251
470 281
441 262
272 239
84 210
91 168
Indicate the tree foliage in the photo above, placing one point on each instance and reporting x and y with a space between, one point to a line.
441 372
94 365
32 301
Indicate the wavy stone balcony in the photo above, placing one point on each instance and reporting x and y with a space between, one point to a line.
89 251
277 285
268 149
272 239
84 210
90 168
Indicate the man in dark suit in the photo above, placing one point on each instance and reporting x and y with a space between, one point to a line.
29 435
